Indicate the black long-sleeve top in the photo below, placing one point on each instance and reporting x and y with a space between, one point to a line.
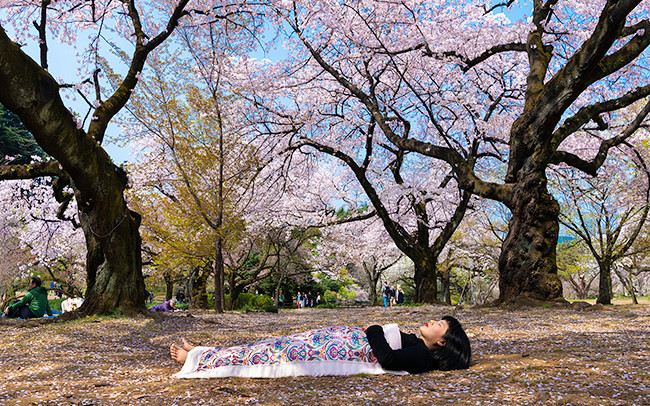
414 357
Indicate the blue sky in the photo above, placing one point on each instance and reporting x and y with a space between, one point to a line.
59 66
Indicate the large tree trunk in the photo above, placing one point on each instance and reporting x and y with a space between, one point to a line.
199 294
113 264
235 291
527 265
278 292
426 275
605 283
169 285
219 278
445 285
373 280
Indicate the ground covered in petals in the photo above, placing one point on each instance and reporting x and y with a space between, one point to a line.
575 355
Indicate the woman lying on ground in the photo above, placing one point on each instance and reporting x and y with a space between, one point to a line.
168 306
333 351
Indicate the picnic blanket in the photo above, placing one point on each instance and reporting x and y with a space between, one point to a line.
339 350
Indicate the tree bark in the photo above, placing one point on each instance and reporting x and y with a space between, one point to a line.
169 286
426 287
445 286
199 295
219 278
527 264
604 283
235 291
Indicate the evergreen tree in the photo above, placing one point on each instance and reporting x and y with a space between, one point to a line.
17 145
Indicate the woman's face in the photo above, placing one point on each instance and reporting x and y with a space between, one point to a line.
433 333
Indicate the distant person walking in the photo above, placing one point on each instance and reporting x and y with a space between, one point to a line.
400 295
385 293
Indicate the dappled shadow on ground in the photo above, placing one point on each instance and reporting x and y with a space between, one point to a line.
525 356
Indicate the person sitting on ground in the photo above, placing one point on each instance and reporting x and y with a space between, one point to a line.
337 350
168 306
33 304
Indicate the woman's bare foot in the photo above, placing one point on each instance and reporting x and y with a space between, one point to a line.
178 354
187 346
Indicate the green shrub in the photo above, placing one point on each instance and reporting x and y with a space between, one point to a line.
262 301
55 304
329 296
270 309
244 299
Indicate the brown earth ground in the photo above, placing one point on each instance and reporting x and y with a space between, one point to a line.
572 355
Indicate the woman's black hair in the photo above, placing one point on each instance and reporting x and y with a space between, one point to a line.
36 281
456 353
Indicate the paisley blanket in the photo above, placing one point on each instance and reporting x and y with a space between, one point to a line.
337 350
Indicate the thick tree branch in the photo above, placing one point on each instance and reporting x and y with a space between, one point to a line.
591 167
402 238
107 110
592 112
577 74
31 171
469 63
626 54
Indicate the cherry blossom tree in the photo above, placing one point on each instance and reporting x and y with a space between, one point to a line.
39 237
130 31
419 205
459 83
607 212
364 243
633 272
577 266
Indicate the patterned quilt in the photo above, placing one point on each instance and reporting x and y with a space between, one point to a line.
339 350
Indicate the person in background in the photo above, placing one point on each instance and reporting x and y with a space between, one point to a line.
33 304
400 295
385 293
168 306
391 296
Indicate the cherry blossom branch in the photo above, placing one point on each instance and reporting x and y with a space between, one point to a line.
591 62
107 110
497 5
466 176
591 167
42 35
626 54
592 112
645 210
401 237
469 63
